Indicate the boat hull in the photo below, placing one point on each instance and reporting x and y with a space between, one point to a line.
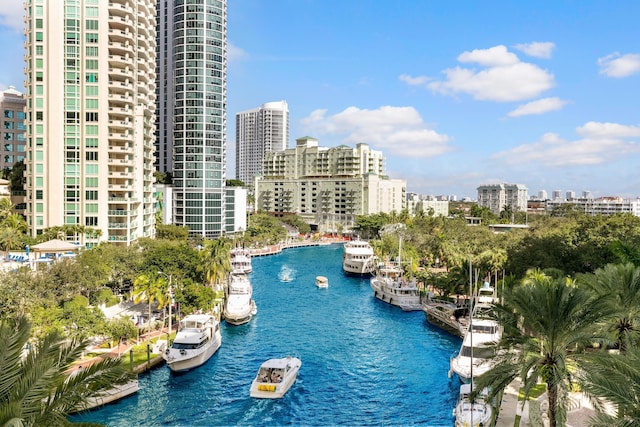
191 358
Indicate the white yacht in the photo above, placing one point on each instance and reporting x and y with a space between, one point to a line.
275 378
390 286
322 282
478 413
241 260
239 307
358 258
476 355
196 341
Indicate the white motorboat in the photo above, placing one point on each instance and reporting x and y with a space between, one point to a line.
239 307
478 413
476 355
241 260
275 378
390 286
358 258
487 295
110 395
196 341
322 282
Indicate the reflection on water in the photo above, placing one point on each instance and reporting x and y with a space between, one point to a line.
363 362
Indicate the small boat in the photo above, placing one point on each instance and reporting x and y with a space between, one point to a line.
446 315
478 413
275 377
358 258
241 260
196 341
239 308
322 282
476 355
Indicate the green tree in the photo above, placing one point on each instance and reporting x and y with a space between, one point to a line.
172 232
36 389
215 261
619 286
547 322
148 288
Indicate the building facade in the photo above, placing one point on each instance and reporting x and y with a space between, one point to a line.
497 196
12 105
599 206
427 205
90 115
191 126
327 187
260 131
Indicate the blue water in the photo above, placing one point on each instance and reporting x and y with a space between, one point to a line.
364 362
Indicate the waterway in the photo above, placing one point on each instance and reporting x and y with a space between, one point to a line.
364 362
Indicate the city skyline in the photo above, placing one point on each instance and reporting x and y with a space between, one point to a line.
455 97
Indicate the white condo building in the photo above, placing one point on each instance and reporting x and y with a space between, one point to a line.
497 196
90 93
192 97
327 187
260 131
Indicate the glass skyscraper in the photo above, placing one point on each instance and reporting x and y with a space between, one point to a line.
191 105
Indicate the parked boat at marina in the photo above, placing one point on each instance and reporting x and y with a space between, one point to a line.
196 341
241 260
447 315
275 377
358 258
476 355
239 306
110 395
477 413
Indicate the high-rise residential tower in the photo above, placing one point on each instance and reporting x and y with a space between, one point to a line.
90 92
260 131
191 96
12 124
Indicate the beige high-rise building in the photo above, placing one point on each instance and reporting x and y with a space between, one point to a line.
90 82
327 187
12 105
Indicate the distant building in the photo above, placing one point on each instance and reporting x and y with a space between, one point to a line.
497 196
542 195
260 131
571 195
429 205
327 187
556 195
587 195
12 105
600 206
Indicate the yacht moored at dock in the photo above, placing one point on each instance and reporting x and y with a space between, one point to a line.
196 341
241 260
358 258
239 306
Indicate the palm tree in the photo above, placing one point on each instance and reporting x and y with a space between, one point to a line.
36 388
216 264
614 378
619 285
149 288
547 322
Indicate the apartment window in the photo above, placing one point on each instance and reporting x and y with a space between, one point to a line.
92 117
92 78
92 156
91 221
91 24
91 143
91 103
91 64
39 194
91 50
91 169
91 195
91 37
8 114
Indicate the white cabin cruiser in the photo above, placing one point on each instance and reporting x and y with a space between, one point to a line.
322 282
358 258
275 378
478 413
390 286
196 341
241 260
239 307
476 355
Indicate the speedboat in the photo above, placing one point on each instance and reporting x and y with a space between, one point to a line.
198 338
476 355
358 258
322 282
473 414
241 260
275 377
239 308
390 286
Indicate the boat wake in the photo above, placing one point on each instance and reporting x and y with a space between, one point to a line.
286 274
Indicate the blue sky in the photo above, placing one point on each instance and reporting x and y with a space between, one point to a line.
455 94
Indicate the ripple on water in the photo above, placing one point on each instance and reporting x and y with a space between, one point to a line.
363 362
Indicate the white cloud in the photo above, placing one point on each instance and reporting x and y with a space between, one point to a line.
235 53
616 65
539 106
537 49
395 130
505 79
492 57
11 14
414 81
601 143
